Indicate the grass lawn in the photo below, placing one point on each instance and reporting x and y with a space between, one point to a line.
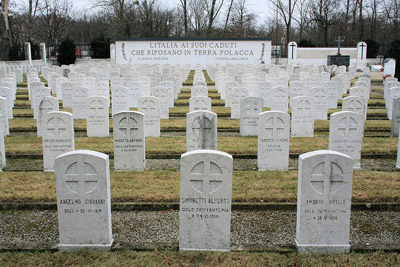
163 186
181 258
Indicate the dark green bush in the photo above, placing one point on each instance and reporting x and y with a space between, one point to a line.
100 47
66 52
372 48
394 52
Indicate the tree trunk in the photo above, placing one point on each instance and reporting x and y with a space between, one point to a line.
227 18
5 32
211 18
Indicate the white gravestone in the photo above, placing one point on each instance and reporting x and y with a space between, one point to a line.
201 130
346 132
265 93
2 146
205 200
395 117
273 141
5 93
47 104
67 90
360 91
150 107
4 116
279 98
398 156
389 67
79 97
57 136
199 103
332 93
84 200
97 121
355 104
198 91
320 98
250 109
296 88
129 141
120 99
37 95
134 92
324 202
302 117
162 93
102 89
237 94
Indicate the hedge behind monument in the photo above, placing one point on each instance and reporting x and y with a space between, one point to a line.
66 52
394 52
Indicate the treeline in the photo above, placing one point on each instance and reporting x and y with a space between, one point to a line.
308 22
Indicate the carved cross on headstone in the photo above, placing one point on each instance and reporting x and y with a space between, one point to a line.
45 106
274 126
355 106
201 127
362 50
327 178
149 107
96 107
304 106
128 126
339 41
200 105
292 46
347 127
56 126
206 177
81 178
251 109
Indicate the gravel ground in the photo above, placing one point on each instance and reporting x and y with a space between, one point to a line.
250 229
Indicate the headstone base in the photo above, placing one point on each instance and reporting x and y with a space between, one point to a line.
322 248
72 247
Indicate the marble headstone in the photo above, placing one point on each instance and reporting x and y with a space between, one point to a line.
201 130
324 202
205 200
250 109
395 117
199 103
129 141
47 104
150 107
302 117
273 141
57 136
83 200
346 132
97 121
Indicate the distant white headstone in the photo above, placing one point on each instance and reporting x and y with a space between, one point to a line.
302 117
199 103
279 98
324 202
395 117
346 132
205 200
201 130
79 97
97 121
150 107
129 141
250 109
84 200
120 99
57 136
47 104
273 141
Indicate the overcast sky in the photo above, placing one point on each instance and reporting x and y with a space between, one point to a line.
258 7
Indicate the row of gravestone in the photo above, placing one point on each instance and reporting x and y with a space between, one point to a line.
346 132
323 203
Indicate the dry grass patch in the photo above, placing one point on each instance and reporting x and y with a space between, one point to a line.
163 186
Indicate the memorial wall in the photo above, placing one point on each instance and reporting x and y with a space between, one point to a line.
193 52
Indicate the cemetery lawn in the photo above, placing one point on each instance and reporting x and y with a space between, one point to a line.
162 186
174 258
235 145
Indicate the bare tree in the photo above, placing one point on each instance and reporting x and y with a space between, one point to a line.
198 10
5 31
184 5
241 18
325 12
227 17
54 20
285 9
213 12
302 18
